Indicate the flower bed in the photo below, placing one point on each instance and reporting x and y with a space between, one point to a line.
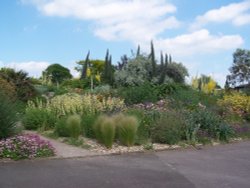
25 146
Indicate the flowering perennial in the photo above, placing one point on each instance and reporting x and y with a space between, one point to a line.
25 146
73 103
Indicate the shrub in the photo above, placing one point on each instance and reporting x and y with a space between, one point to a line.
105 130
146 119
38 119
236 104
207 122
76 83
8 88
168 129
25 146
23 85
87 123
8 117
61 128
74 125
138 94
127 128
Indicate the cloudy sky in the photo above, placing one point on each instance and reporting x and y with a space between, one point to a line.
200 34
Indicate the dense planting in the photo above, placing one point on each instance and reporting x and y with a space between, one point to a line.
137 102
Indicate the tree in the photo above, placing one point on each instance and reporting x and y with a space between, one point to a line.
153 61
204 83
56 73
85 65
108 73
240 70
135 72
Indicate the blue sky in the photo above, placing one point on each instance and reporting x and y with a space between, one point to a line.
200 34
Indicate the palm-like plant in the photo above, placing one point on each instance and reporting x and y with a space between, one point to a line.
22 82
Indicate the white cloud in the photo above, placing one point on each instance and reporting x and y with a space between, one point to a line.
236 13
199 42
34 68
134 20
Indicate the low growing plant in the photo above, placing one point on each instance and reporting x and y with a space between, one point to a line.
25 146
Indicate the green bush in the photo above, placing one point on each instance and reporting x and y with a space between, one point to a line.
38 119
138 94
8 117
61 128
74 125
168 129
207 122
126 127
87 123
105 130
146 121
76 83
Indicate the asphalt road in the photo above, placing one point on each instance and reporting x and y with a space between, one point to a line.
215 167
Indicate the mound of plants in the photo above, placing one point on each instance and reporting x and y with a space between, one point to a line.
26 146
73 103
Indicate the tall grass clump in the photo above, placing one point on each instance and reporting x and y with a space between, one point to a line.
8 117
74 125
104 129
127 127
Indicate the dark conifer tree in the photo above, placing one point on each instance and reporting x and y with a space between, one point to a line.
85 67
153 60
138 53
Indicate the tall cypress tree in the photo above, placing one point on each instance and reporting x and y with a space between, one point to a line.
162 62
85 67
110 71
153 60
138 53
106 67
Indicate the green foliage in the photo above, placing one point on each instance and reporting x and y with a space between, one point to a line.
38 119
105 130
188 98
235 104
177 72
139 94
74 126
8 117
8 88
146 120
108 72
135 72
61 128
23 85
56 73
240 70
87 123
127 128
76 83
168 129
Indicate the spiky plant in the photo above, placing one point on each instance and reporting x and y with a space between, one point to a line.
74 125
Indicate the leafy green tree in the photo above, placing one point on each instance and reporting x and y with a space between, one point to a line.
56 73
23 84
135 72
240 70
